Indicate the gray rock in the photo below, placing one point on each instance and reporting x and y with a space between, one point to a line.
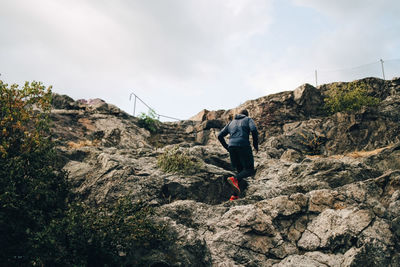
292 155
309 99
335 229
310 202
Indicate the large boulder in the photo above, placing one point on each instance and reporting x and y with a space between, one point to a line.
309 100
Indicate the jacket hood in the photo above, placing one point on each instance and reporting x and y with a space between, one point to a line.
240 116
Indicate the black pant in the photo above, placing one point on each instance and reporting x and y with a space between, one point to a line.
242 161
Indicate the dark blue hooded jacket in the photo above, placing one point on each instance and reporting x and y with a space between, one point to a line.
239 130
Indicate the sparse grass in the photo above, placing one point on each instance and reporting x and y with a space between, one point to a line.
349 97
83 143
313 142
354 154
362 154
174 160
87 123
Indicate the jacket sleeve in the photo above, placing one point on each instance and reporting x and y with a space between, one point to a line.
221 137
254 133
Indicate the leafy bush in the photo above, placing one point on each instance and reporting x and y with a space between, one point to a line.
114 235
176 161
40 224
349 97
149 121
33 188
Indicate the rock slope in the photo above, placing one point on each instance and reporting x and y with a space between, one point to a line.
326 191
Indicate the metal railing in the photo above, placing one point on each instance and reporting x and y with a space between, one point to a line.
372 69
150 109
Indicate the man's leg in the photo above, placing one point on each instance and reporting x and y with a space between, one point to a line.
247 161
234 153
236 162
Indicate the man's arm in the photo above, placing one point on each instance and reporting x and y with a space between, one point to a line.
254 134
221 137
255 140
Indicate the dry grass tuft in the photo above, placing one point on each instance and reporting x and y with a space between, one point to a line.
88 124
354 154
83 143
362 154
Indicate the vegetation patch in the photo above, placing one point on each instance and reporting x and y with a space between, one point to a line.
174 160
349 97
113 235
149 121
353 154
83 143
363 154
33 187
41 223
313 142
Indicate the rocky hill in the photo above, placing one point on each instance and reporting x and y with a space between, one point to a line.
326 191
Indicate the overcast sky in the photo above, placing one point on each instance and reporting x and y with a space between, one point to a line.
181 56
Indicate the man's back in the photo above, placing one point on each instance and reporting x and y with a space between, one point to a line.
239 130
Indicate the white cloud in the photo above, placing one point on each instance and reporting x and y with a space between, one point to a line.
357 33
344 10
194 54
172 37
85 47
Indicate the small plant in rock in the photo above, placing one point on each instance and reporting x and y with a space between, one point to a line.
174 160
349 97
313 142
149 121
83 143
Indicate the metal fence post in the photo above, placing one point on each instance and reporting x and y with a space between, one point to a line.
134 107
134 102
383 71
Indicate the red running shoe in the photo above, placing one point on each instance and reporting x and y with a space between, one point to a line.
235 184
233 198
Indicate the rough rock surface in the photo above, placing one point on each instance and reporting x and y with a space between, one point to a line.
326 191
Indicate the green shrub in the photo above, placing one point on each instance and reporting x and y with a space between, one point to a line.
33 187
349 97
149 121
175 161
114 235
40 224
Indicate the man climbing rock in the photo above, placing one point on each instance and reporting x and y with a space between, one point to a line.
239 148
